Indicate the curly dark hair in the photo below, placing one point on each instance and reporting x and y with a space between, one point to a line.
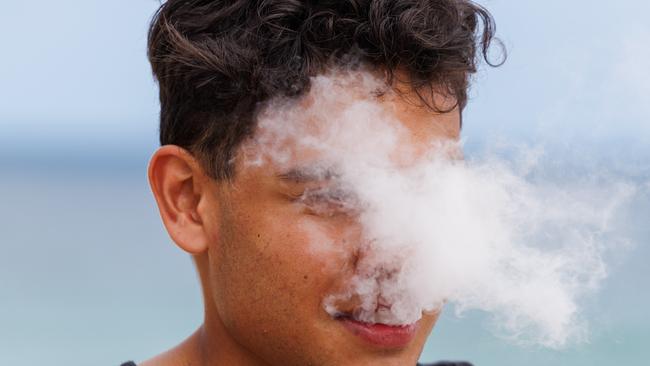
215 60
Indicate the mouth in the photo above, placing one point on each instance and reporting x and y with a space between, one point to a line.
378 334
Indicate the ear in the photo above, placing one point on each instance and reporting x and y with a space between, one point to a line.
180 185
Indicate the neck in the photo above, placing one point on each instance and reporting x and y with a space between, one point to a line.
217 347
209 345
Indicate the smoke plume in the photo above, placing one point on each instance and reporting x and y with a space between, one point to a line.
484 234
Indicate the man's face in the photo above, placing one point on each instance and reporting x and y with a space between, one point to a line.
284 240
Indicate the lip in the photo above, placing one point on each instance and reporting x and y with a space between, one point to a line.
381 335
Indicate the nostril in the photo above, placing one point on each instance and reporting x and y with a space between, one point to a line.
356 256
382 304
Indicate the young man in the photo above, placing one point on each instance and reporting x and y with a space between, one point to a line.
219 64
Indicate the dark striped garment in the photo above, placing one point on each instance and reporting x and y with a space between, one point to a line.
444 363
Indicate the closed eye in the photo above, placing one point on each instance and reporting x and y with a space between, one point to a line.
329 202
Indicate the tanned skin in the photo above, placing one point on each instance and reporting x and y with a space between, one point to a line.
262 286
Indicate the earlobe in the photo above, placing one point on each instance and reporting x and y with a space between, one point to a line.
176 181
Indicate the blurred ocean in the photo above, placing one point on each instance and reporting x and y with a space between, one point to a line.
89 276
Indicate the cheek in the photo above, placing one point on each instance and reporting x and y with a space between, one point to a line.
307 254
275 273
332 243
279 264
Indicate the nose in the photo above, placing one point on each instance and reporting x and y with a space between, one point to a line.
372 260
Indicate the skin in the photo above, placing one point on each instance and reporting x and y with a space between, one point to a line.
263 284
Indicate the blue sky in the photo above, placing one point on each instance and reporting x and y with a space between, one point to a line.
76 72
75 76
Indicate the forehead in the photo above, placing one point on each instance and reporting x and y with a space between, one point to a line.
347 116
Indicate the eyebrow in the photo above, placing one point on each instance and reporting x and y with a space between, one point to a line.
308 174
